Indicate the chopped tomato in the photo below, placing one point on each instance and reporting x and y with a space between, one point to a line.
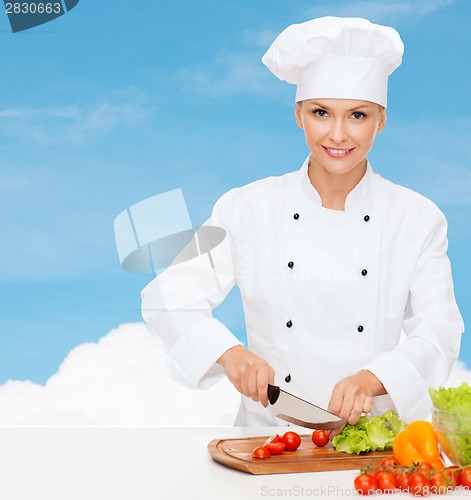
275 448
261 452
273 439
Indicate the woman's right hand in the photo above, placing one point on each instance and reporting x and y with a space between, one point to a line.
249 373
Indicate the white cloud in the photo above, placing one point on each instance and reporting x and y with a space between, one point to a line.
383 11
72 124
459 373
119 381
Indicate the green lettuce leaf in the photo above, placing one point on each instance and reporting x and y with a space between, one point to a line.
355 441
395 423
456 400
454 422
379 434
369 434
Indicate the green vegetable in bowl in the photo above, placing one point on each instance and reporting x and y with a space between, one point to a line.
455 403
456 444
451 418
369 433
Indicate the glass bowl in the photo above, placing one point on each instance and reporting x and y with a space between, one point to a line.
453 434
452 420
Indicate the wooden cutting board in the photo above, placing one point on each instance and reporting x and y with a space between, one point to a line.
237 454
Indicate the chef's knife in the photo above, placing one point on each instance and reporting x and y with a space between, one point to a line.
300 412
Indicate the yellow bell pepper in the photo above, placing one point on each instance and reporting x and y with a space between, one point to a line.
416 443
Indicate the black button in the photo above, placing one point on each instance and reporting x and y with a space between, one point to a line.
360 328
291 265
366 218
288 378
289 324
364 272
296 216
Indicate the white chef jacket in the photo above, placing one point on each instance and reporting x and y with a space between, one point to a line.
325 293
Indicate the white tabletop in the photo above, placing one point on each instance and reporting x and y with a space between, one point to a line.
144 464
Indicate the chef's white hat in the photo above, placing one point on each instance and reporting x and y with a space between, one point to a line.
334 57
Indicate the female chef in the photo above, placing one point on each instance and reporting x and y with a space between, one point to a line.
332 260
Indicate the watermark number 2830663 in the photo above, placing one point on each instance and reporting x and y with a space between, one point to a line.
33 8
27 14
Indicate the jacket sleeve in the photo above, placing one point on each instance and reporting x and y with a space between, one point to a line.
433 327
177 305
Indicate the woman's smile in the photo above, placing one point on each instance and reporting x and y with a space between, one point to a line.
337 153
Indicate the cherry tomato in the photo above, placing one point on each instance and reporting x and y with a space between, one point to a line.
365 484
418 484
375 472
425 468
319 438
465 478
389 462
275 448
438 483
291 440
403 481
386 481
261 452
452 473
273 439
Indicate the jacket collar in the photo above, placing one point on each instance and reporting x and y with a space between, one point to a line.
357 197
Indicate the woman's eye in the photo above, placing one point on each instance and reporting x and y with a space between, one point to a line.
320 112
358 115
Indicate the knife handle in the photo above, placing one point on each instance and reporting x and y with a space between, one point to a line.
273 393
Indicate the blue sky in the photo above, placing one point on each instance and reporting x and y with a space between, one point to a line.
118 101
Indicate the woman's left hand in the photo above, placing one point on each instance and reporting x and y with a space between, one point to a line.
353 396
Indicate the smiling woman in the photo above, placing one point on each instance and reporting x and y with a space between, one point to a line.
338 129
321 326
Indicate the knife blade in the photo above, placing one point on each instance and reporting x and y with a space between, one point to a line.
300 412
